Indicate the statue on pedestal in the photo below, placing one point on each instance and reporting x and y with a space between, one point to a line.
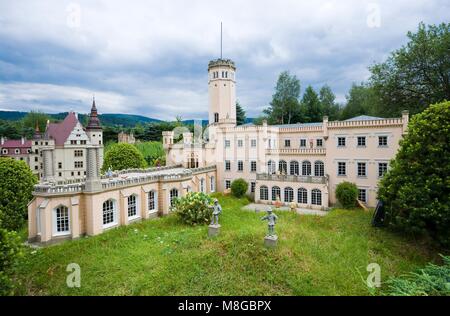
271 218
217 209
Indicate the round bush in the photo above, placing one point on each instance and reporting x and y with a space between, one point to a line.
347 194
11 250
194 208
416 189
239 187
123 156
16 187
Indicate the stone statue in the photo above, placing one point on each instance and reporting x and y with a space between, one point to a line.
217 209
271 218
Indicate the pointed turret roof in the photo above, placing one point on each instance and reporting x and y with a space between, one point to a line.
94 122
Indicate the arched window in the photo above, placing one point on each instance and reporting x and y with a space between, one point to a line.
276 193
109 213
61 220
302 196
213 183
288 195
202 185
306 168
152 201
216 117
173 195
132 206
271 167
319 169
316 197
263 193
282 166
294 168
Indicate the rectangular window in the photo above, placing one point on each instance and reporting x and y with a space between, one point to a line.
382 168
342 169
302 142
252 187
36 159
361 141
73 142
253 142
319 142
227 184
240 143
62 220
59 174
78 153
287 143
362 195
240 165
382 141
83 142
59 165
341 141
36 168
227 165
78 164
227 143
362 169
253 166
132 206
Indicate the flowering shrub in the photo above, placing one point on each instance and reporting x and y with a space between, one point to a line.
194 208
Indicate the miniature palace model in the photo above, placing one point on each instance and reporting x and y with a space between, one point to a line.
301 163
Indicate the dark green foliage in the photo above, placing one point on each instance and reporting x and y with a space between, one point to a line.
10 252
194 208
347 194
16 186
416 189
33 117
240 114
327 103
284 108
153 153
361 100
239 187
310 106
433 280
123 156
416 75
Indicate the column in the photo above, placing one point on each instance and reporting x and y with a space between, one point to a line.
48 164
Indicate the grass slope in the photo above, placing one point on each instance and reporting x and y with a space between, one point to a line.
315 256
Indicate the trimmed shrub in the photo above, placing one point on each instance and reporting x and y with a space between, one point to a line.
10 252
239 187
432 280
194 208
347 194
123 156
16 187
416 189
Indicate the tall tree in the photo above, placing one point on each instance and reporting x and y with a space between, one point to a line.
361 100
240 114
310 106
416 75
284 107
34 118
328 104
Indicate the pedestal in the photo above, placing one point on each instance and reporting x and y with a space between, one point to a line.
213 230
271 241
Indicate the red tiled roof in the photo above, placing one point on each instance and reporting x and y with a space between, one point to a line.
61 131
16 143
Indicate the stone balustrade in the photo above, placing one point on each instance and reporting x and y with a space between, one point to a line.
296 151
291 178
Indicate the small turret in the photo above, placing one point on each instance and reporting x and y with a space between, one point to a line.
94 129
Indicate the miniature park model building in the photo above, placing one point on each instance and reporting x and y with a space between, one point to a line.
299 163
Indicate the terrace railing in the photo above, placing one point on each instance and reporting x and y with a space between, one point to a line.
291 178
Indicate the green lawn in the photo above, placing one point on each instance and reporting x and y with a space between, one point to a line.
315 256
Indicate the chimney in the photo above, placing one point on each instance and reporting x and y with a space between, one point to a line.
22 140
2 140
325 127
405 121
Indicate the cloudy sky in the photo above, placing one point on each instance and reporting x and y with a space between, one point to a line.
150 57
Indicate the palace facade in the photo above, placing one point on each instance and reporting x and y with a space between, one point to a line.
300 163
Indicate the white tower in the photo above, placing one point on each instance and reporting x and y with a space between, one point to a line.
222 92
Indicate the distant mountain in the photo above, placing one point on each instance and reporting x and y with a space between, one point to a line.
107 119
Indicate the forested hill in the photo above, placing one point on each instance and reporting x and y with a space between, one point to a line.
125 120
